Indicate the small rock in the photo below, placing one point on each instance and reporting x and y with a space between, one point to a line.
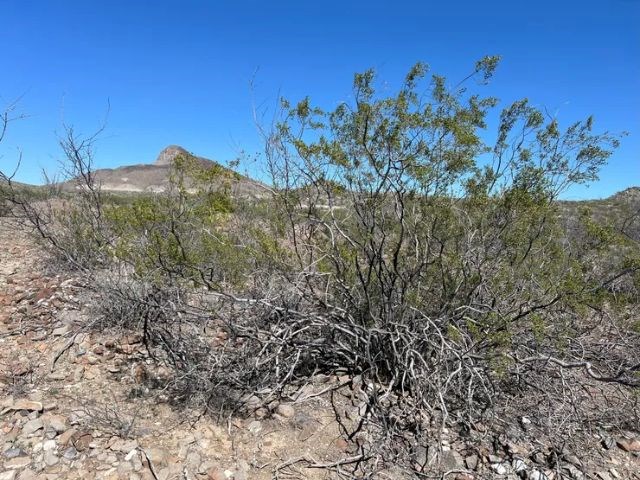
215 474
81 441
13 453
70 453
515 449
157 455
574 472
32 426
8 475
539 458
451 460
78 374
518 465
471 462
50 433
287 411
538 475
464 476
17 462
499 468
66 436
60 331
255 427
57 422
59 375
50 458
629 444
124 446
251 402
24 405
49 445
261 413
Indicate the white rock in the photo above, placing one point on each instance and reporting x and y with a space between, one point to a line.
537 475
518 465
50 458
499 468
255 427
49 445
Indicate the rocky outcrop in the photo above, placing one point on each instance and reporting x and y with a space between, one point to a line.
167 155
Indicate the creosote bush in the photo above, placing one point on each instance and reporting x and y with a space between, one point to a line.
398 246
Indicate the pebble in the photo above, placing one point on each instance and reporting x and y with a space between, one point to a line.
255 427
49 445
13 453
24 405
518 465
17 462
471 462
629 444
32 426
50 458
70 453
65 437
287 411
57 422
499 468
538 475
60 331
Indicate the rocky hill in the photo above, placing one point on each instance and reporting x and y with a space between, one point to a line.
154 177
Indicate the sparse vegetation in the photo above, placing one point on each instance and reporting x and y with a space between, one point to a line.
440 274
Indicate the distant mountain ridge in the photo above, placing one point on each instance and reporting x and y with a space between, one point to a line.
154 177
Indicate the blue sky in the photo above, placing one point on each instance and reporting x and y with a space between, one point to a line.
178 72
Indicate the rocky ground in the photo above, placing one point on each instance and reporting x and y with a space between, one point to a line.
74 404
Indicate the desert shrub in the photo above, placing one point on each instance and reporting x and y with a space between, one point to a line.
437 267
399 247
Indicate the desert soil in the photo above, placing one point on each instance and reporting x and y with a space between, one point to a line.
74 405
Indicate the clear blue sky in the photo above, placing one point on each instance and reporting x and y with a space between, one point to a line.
178 72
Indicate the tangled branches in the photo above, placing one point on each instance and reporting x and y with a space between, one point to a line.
438 274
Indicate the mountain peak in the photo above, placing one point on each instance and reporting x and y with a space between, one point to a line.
167 155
